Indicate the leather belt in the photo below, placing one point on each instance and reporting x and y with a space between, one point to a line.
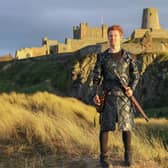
114 93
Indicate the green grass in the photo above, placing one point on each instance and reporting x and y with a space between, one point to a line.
163 57
29 75
35 76
157 112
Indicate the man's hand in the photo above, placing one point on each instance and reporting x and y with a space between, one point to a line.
96 100
129 91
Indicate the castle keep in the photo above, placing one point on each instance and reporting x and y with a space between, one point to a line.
85 32
83 35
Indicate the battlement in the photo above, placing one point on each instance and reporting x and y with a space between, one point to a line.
84 31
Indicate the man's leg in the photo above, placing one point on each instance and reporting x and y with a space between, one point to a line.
104 148
126 136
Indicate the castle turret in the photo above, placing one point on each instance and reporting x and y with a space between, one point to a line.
84 28
76 32
150 19
104 31
45 41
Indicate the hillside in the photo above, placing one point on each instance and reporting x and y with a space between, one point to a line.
71 76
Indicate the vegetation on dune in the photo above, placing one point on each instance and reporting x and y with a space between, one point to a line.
43 123
163 57
152 140
32 76
160 112
29 76
45 119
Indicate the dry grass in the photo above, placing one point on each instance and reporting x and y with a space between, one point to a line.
57 122
150 140
45 122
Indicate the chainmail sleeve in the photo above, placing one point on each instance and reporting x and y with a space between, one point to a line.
97 73
134 74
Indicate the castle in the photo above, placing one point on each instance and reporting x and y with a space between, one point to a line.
83 35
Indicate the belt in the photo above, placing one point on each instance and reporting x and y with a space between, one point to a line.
114 93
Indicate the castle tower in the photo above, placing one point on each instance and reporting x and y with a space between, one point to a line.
104 31
44 41
84 28
150 19
76 32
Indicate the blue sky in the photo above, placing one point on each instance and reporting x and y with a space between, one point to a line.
25 22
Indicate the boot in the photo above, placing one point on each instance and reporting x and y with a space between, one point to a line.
127 148
104 159
128 158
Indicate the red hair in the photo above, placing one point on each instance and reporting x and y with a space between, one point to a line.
115 27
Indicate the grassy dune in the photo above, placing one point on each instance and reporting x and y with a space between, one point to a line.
55 122
45 123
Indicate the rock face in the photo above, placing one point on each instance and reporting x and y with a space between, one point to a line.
82 74
152 89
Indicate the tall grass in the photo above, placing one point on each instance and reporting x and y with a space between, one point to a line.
44 122
151 140
56 122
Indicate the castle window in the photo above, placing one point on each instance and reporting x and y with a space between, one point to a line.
150 14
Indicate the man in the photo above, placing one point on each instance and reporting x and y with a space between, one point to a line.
117 105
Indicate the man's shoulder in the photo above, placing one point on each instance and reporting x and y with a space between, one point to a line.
103 54
106 51
128 55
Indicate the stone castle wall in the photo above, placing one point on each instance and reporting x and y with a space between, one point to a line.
139 33
83 34
74 44
32 52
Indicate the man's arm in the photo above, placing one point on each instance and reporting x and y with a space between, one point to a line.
97 75
134 74
129 93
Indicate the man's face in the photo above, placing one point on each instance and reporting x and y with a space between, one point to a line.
114 38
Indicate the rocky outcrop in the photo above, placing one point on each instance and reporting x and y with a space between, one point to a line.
152 89
82 74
